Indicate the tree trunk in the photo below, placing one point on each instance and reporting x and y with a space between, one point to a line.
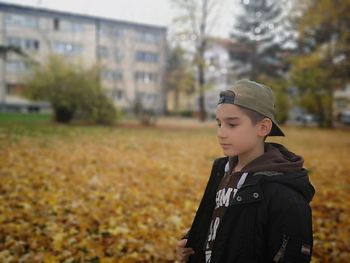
200 60
321 112
202 112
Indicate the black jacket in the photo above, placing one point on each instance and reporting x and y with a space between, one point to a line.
269 220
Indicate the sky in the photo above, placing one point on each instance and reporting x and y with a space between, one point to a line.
154 12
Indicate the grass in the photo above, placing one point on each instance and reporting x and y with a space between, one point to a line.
16 125
10 117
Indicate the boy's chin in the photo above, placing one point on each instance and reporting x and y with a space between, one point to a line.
229 152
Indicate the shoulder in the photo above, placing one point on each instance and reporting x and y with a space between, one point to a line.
276 189
282 197
219 163
285 186
218 167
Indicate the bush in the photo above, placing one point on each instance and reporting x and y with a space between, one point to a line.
104 111
74 92
63 114
186 113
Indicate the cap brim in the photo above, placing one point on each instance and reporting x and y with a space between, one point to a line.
276 130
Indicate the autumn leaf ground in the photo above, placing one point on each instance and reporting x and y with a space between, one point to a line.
127 193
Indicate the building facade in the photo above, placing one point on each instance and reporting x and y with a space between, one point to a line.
219 73
341 105
218 76
132 56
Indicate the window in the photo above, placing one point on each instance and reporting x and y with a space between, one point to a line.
102 52
14 41
110 31
14 89
148 97
36 45
111 75
118 55
118 33
147 37
146 77
102 31
21 20
77 27
67 48
16 66
143 56
56 24
70 26
25 44
117 94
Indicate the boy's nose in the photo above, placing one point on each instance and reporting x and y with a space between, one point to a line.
221 133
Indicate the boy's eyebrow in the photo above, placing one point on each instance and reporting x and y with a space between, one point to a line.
229 118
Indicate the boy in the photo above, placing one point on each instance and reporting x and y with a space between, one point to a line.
255 207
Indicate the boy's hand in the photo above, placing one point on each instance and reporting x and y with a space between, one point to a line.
182 252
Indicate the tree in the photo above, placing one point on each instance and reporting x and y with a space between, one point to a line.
4 50
74 92
193 22
323 64
313 81
263 37
178 77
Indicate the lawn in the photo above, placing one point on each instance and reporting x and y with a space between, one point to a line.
127 193
23 118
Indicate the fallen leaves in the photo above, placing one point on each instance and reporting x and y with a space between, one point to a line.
127 195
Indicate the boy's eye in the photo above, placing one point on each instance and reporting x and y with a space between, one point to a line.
229 124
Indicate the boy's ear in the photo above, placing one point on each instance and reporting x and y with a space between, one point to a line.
265 126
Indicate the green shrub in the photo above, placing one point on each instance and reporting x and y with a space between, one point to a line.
73 91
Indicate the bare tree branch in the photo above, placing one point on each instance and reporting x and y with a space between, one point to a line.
194 16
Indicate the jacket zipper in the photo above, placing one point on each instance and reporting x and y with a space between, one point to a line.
280 253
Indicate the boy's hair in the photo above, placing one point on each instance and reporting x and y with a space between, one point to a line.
254 116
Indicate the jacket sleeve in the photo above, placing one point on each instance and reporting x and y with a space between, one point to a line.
289 232
202 217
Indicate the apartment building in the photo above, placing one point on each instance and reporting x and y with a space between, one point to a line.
132 55
219 73
218 76
341 105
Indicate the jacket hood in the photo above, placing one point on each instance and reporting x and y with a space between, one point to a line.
279 165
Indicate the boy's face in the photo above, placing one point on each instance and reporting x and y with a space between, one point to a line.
236 133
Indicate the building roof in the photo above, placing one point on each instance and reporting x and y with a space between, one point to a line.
88 18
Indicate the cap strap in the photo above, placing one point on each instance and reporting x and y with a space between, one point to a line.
226 99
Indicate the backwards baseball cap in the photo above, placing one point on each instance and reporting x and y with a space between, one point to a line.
253 96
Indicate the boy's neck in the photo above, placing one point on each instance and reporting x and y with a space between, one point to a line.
247 157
